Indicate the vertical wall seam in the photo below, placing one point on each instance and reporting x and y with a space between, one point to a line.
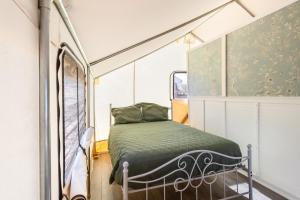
224 65
188 88
204 115
94 115
258 139
88 99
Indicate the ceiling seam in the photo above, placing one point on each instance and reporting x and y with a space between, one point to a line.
25 12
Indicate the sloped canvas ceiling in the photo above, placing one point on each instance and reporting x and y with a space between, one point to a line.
105 27
30 9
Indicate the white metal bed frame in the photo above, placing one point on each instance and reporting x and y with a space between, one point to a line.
203 176
196 156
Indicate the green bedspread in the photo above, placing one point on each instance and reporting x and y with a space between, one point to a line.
146 146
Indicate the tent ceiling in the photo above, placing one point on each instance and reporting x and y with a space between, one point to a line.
105 27
30 9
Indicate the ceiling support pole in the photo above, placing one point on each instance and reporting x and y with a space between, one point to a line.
44 101
245 8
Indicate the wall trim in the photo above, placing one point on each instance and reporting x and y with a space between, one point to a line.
204 115
268 100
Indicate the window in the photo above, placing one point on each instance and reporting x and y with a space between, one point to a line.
179 85
73 109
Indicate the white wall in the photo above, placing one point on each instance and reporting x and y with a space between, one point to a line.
19 104
19 77
271 125
115 88
152 73
145 81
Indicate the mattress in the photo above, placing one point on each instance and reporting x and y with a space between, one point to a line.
146 146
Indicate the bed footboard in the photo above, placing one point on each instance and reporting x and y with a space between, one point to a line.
194 174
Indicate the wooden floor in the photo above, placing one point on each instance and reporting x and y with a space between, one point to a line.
102 190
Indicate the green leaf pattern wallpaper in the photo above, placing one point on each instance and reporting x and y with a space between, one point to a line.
263 59
204 73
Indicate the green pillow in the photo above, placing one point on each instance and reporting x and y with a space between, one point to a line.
125 115
153 112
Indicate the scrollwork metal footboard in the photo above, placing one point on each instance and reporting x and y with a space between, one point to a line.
197 168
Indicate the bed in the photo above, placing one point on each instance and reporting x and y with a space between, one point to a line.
154 149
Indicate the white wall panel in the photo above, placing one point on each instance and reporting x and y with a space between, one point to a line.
242 128
270 124
280 149
215 117
153 72
196 113
19 118
114 88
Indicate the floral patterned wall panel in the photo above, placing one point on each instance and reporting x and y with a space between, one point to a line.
263 58
204 75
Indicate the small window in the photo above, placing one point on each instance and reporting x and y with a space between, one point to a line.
179 85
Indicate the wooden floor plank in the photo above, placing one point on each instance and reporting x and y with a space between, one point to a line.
102 190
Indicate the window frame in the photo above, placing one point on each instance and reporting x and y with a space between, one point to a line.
79 66
172 83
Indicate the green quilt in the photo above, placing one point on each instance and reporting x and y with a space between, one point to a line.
146 146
